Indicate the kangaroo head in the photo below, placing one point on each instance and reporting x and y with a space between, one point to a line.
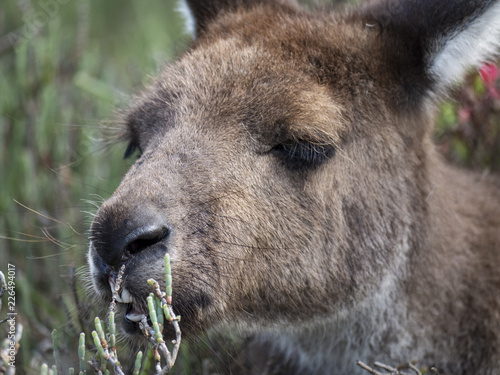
285 159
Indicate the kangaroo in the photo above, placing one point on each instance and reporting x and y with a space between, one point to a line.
286 164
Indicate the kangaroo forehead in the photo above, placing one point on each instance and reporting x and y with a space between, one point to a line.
262 68
245 87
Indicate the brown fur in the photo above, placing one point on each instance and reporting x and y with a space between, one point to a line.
371 249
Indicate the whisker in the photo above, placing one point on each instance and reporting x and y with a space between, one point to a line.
47 217
23 240
57 242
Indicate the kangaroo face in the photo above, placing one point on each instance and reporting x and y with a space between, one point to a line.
257 177
283 165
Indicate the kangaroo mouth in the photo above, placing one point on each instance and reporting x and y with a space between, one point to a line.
134 313
134 310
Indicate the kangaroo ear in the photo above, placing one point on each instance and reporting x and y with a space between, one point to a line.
435 42
198 13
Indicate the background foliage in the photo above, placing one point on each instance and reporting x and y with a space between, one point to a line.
65 66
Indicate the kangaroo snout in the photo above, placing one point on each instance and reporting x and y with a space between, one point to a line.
119 233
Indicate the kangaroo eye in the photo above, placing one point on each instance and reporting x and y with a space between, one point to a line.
303 154
132 147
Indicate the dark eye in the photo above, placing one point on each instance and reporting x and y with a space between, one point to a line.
303 154
132 147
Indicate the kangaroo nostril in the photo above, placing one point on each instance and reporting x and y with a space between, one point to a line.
142 238
119 232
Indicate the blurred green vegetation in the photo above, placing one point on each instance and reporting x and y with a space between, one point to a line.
65 66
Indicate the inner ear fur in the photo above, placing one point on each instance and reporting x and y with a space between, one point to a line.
430 45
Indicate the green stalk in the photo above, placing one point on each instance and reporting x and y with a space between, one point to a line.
159 312
81 354
100 331
97 342
137 365
112 330
147 362
154 319
168 278
56 352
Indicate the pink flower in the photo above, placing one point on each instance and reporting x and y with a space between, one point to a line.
489 74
